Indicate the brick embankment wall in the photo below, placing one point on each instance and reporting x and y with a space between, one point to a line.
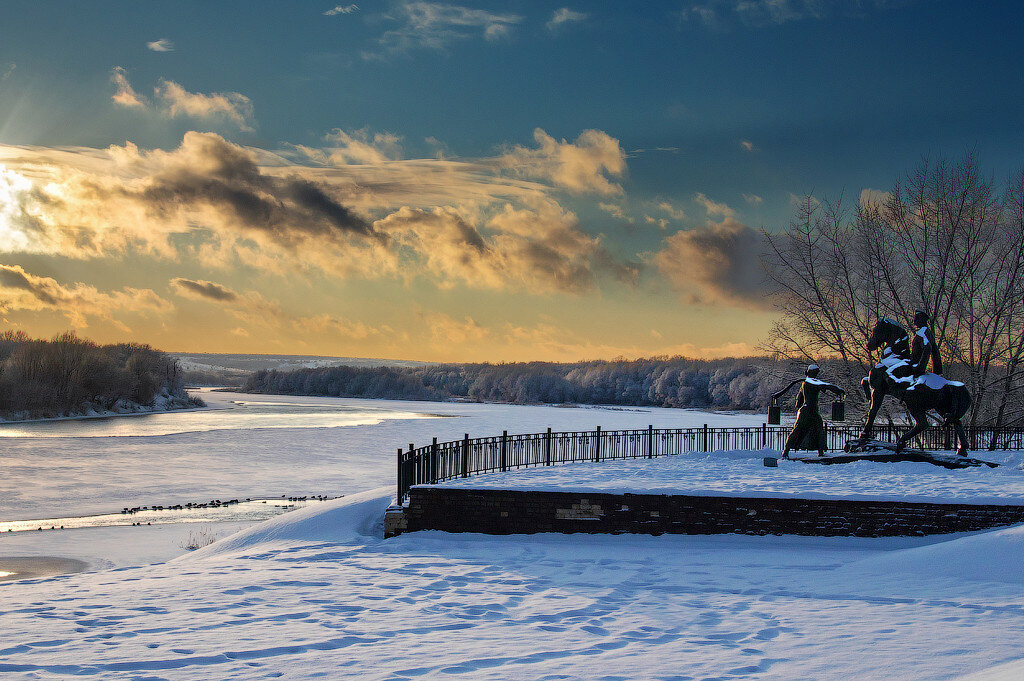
510 512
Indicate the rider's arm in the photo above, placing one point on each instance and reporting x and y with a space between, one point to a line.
936 359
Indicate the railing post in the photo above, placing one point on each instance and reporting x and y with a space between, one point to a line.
399 480
504 449
764 436
433 461
650 442
706 448
597 444
547 447
465 456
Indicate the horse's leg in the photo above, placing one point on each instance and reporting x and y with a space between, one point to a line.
961 437
876 392
920 417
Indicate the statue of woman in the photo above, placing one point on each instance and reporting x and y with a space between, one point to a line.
809 430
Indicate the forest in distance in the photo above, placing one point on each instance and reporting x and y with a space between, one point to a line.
743 383
72 376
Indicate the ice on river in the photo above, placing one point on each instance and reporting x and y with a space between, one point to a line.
261 446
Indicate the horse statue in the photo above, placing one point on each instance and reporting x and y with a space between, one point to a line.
894 375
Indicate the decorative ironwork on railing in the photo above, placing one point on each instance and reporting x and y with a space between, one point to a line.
440 461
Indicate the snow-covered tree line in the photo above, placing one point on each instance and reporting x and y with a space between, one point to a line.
745 383
947 239
69 375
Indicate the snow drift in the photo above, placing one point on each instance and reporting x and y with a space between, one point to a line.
996 556
356 517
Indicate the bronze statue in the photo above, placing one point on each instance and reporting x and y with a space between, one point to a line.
896 374
809 430
924 347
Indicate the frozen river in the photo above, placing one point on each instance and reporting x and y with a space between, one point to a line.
261 446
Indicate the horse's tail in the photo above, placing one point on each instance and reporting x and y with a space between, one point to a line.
960 402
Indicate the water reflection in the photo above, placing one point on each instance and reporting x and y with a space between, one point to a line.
226 411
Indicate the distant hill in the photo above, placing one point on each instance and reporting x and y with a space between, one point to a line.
209 368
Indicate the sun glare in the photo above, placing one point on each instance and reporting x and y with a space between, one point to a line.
13 187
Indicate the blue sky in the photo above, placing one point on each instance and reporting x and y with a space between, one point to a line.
721 110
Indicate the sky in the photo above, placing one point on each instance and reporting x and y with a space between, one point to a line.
461 182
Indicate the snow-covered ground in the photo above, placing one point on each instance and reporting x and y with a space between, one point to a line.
741 473
317 594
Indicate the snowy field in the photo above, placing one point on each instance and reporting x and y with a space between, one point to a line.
741 473
316 593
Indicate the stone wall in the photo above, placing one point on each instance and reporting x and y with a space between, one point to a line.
510 512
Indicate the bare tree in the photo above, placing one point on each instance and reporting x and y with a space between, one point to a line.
946 240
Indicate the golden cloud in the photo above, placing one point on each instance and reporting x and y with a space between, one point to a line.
26 291
173 100
224 205
720 262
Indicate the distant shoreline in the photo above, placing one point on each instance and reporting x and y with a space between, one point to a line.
105 415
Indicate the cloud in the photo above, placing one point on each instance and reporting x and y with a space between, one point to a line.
753 199
582 166
255 311
208 190
433 25
564 16
360 146
714 208
615 210
172 100
124 95
8 71
452 222
748 146
24 291
230 106
717 13
446 330
341 9
538 248
669 150
162 45
875 197
662 223
720 263
202 289
674 213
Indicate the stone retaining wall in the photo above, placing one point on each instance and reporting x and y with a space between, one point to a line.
511 512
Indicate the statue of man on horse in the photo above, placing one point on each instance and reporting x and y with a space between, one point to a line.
901 371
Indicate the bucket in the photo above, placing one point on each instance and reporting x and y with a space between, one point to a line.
774 414
839 410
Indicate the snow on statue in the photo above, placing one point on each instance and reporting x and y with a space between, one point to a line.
901 372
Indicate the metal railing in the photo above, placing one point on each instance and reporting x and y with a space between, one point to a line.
440 461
